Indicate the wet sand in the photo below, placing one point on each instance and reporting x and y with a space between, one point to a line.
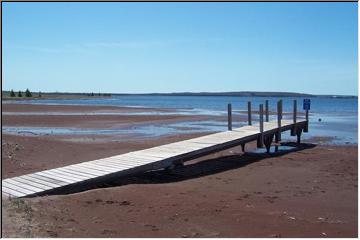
309 192
86 121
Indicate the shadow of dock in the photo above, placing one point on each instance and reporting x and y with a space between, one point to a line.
195 170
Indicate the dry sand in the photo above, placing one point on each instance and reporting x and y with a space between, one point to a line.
309 192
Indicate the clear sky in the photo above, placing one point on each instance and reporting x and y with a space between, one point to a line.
176 47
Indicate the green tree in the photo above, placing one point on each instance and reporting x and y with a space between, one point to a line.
39 94
28 93
12 94
19 94
92 94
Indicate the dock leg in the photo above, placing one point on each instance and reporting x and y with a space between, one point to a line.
260 142
268 141
173 166
179 164
243 147
277 140
298 135
293 130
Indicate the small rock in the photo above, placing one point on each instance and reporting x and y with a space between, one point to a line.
125 203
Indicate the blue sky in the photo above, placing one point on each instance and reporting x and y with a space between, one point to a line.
176 47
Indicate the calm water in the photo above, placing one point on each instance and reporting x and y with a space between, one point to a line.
339 116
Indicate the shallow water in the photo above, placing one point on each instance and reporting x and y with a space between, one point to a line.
139 130
339 117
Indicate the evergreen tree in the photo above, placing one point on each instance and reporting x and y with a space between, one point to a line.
92 94
39 94
12 94
28 93
19 94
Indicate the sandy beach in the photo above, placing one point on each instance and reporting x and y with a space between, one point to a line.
307 192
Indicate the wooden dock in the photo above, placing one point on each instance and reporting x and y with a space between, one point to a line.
160 157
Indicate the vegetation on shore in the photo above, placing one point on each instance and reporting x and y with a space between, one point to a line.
27 94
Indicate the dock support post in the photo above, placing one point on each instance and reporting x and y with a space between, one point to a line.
260 142
278 133
249 113
243 147
298 135
229 117
306 128
293 129
267 111
268 140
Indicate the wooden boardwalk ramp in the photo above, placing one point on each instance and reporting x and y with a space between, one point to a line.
164 156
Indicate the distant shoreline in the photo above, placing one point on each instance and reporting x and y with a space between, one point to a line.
65 95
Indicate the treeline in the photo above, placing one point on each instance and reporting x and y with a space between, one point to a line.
27 93
99 94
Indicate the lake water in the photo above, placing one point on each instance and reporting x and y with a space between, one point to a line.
339 116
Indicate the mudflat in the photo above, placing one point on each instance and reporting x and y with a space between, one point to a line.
310 191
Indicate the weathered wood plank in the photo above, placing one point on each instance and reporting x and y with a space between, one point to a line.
7 195
12 192
17 188
102 168
53 176
113 166
83 170
49 181
127 159
30 183
116 166
77 172
63 175
71 175
87 170
36 182
23 185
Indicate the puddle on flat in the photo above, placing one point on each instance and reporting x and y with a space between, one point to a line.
140 130
281 148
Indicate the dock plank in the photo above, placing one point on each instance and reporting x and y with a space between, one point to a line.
35 183
12 192
51 182
17 188
23 185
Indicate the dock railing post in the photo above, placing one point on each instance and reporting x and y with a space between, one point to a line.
293 129
249 113
278 137
260 142
278 133
306 128
229 117
267 110
295 111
